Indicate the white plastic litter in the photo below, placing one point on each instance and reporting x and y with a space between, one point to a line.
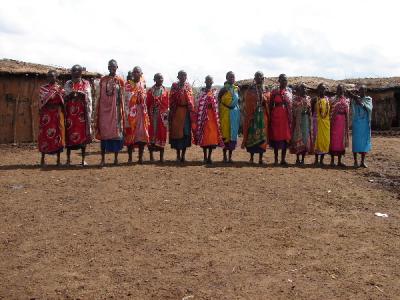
378 214
17 186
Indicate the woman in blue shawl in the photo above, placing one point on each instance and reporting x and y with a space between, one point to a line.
361 125
229 114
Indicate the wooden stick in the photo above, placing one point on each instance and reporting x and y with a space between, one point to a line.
34 137
32 122
15 119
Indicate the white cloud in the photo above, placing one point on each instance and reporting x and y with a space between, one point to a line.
294 55
327 38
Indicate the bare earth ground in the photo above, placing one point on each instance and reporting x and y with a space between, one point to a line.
194 232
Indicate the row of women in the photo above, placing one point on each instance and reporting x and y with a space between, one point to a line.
128 114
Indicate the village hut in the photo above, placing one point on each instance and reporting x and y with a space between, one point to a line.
19 97
385 93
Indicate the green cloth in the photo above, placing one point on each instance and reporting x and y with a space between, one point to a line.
256 133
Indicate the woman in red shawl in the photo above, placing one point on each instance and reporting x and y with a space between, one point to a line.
137 132
157 105
51 139
182 118
280 108
208 129
78 113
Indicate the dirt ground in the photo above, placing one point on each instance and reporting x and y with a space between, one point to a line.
196 232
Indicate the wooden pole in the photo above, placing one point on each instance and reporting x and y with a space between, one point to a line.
15 119
32 122
32 111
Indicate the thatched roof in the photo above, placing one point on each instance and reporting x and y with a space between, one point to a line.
15 67
373 84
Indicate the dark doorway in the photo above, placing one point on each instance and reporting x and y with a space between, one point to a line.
396 121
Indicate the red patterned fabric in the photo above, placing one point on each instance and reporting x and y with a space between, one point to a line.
51 138
157 107
136 129
207 99
78 113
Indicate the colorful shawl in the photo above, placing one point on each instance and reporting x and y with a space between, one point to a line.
301 131
287 97
51 135
179 95
205 99
138 117
340 105
48 92
110 116
129 87
72 90
256 116
182 96
82 86
230 131
157 101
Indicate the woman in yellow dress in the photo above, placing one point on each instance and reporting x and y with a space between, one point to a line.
322 125
229 113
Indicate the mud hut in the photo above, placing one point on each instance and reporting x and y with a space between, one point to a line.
385 93
19 89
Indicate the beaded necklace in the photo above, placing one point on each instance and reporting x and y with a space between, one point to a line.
110 87
304 105
259 97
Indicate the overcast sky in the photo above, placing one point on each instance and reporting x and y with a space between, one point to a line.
334 39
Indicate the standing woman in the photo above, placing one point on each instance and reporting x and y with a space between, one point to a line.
301 143
182 119
157 104
322 125
229 112
208 132
280 108
339 126
51 139
255 125
78 113
110 113
137 132
361 127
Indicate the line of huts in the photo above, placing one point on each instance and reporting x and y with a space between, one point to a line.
20 82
